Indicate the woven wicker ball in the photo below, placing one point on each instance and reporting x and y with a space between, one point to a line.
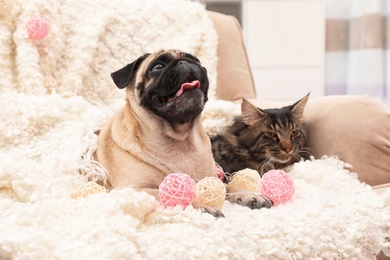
245 180
220 172
37 28
89 188
277 186
177 189
210 192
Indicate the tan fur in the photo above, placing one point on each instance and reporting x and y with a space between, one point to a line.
139 149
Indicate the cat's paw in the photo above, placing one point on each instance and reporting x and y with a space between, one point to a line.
251 200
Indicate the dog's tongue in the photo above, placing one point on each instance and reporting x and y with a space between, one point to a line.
188 85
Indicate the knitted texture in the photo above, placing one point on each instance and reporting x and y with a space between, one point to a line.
89 39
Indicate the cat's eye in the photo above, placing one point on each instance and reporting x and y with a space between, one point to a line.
271 134
294 133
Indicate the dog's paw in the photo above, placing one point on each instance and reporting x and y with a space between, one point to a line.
251 200
213 211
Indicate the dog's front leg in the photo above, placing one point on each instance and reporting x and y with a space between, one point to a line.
213 211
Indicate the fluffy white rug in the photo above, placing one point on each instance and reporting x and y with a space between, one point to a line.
331 216
44 136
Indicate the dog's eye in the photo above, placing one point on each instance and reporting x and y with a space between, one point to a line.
157 67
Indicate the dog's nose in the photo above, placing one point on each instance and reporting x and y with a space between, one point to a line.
181 62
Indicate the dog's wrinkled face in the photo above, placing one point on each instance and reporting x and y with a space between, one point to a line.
171 84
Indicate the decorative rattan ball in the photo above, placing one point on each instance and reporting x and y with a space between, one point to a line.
245 180
278 186
37 28
89 188
210 192
177 189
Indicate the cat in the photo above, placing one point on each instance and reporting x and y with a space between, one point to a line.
262 139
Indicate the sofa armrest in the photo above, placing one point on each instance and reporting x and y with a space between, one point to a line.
235 79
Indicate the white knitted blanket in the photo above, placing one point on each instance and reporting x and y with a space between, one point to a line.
44 136
89 39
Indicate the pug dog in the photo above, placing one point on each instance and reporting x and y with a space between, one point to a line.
159 129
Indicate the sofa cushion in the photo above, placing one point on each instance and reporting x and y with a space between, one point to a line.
234 80
357 130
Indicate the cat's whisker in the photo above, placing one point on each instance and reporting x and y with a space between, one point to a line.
297 157
264 166
307 149
305 153
268 164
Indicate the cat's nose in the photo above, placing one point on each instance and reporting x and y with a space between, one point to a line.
286 146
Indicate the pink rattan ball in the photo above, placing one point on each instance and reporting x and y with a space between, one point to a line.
177 189
37 28
220 172
277 186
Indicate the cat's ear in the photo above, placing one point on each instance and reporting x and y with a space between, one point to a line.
250 113
298 107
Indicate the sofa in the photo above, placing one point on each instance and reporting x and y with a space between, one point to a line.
56 94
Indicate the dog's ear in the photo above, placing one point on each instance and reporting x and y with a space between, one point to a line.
125 75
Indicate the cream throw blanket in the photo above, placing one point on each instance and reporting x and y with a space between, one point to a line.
57 92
